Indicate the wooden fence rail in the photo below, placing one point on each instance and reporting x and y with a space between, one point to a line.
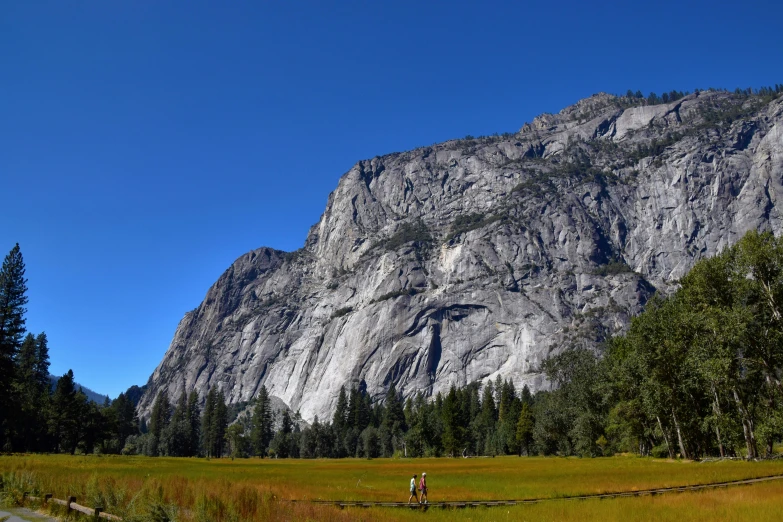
70 504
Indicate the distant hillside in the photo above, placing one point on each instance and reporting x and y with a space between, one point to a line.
93 396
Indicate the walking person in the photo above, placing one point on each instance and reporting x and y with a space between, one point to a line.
423 489
413 490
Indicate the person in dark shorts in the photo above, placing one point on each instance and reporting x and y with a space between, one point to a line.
413 490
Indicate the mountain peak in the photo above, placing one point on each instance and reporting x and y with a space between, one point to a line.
481 257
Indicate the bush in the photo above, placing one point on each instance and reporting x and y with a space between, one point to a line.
397 293
466 223
613 267
408 233
342 311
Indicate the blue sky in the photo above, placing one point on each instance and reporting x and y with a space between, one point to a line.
144 145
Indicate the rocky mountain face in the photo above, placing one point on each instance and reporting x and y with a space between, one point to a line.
481 257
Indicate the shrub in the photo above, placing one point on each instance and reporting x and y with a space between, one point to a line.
466 223
613 267
397 293
342 311
408 233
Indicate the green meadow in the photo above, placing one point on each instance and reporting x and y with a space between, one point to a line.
141 488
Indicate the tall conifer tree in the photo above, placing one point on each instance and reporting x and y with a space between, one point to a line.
194 420
262 431
13 298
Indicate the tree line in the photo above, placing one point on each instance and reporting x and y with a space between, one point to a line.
674 95
697 374
470 420
34 416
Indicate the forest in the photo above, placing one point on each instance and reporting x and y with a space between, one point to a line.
696 375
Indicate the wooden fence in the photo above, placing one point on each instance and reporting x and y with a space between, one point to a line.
71 505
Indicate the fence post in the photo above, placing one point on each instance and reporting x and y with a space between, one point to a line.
24 496
97 510
70 499
47 497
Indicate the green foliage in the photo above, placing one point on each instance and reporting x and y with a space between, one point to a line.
214 423
415 232
655 148
466 223
13 298
397 293
159 420
66 418
342 311
613 267
726 112
262 424
538 184
697 373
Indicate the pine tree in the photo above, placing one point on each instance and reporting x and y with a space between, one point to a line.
92 426
159 419
340 412
207 441
123 420
453 430
524 429
32 392
282 441
262 430
392 423
65 415
175 437
214 423
219 424
194 421
13 298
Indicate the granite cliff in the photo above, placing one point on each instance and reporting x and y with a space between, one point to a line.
478 257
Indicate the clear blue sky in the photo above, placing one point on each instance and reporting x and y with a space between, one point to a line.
144 145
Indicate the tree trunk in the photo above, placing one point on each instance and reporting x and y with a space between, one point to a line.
679 436
747 427
716 409
665 438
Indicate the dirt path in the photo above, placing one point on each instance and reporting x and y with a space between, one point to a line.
490 503
23 515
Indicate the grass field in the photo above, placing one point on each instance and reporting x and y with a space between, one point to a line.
140 488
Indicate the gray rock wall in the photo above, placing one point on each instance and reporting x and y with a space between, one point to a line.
477 258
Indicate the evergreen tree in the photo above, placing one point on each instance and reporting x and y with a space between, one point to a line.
121 415
194 427
207 421
262 427
282 442
175 437
392 423
219 424
309 439
340 423
453 428
93 429
13 298
29 425
524 429
159 420
65 415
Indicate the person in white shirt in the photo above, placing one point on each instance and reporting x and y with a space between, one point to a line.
413 490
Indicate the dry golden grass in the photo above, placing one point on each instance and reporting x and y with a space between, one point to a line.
223 490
